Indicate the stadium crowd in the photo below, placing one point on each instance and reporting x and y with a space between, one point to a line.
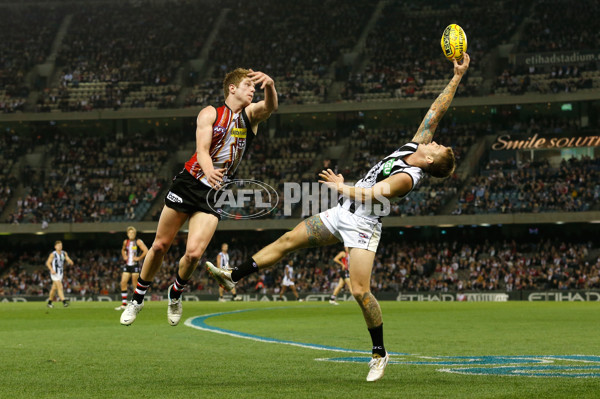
505 187
22 49
554 26
94 179
392 74
400 266
103 59
116 177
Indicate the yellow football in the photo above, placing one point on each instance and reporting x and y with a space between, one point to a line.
454 42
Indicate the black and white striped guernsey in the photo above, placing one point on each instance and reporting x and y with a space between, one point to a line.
224 260
58 262
388 166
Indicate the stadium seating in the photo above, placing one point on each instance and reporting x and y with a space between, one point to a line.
554 26
424 266
571 186
104 61
110 179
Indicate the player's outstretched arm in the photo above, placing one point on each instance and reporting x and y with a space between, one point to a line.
394 186
260 111
425 133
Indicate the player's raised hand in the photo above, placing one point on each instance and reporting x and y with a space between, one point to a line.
461 68
260 78
331 179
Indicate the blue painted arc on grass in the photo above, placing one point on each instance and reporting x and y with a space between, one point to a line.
199 322
524 366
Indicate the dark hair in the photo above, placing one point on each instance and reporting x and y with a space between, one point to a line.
443 166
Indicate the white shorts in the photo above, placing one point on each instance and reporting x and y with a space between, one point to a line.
287 282
56 277
354 231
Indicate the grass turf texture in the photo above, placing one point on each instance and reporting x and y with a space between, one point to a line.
83 352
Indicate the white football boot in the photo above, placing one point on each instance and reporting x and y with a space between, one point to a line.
377 367
174 308
130 313
223 277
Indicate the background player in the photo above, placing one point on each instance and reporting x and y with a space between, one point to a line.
288 281
132 256
355 223
56 263
223 263
342 259
222 136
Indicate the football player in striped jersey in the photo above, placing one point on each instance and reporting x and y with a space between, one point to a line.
222 136
356 220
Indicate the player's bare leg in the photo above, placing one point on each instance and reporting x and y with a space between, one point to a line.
134 279
168 225
59 288
339 287
309 233
296 293
52 294
283 289
361 264
348 285
124 280
202 227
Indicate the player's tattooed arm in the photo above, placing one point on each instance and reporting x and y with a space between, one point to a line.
317 233
439 107
371 310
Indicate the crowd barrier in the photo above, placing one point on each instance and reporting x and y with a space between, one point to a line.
423 296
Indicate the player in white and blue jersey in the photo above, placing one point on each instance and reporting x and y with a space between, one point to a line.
56 265
223 263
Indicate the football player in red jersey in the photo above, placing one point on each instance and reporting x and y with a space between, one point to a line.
222 135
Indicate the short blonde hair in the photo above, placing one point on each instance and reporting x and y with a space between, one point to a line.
234 77
443 166
131 228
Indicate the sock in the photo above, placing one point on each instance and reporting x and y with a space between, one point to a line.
178 287
245 269
377 338
50 301
124 298
140 290
332 298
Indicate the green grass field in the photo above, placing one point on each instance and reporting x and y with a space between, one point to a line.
83 352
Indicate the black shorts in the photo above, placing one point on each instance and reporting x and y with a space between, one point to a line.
131 269
344 273
188 195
